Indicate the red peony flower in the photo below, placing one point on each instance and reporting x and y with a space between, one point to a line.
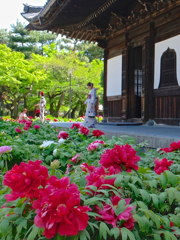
55 120
84 130
86 168
30 117
48 119
28 124
76 159
174 146
166 150
26 128
58 209
26 178
18 130
76 125
36 127
108 214
120 157
97 133
63 135
97 177
163 165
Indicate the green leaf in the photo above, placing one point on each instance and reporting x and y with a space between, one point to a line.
92 200
172 179
163 180
134 189
169 236
155 199
103 230
142 205
115 232
126 233
170 192
145 195
33 233
162 197
157 237
118 181
4 227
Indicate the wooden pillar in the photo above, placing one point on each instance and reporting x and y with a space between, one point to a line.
125 65
148 106
124 83
105 84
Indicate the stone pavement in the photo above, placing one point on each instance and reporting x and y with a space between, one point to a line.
158 136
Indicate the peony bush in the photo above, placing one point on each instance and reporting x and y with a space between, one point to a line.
77 184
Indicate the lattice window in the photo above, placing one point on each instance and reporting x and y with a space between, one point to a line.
138 82
168 75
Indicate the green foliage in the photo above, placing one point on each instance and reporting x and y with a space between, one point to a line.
154 198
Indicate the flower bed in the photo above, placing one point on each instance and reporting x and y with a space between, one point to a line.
84 186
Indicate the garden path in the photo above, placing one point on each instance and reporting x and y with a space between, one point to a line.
158 136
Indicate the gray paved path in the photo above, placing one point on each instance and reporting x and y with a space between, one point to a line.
157 136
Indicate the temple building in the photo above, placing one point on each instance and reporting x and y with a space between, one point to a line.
141 42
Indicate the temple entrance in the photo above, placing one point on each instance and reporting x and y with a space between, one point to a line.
135 82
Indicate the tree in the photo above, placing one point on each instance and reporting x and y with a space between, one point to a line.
4 36
17 77
27 42
56 82
87 50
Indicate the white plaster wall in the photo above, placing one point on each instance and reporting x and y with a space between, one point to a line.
114 76
160 48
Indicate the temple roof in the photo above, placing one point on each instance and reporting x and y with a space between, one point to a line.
93 20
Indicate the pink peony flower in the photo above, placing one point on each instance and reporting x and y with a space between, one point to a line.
120 157
18 130
97 133
163 165
36 127
76 125
63 135
48 119
108 214
58 209
25 179
84 130
94 145
55 120
5 149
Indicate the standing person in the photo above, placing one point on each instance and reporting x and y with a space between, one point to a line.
42 106
90 110
23 115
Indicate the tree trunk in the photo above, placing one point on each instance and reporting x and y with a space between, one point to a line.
82 109
74 111
15 110
56 112
25 102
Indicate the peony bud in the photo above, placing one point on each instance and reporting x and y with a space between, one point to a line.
55 164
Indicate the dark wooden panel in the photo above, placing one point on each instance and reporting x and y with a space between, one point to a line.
114 98
167 107
167 91
115 108
116 51
116 40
